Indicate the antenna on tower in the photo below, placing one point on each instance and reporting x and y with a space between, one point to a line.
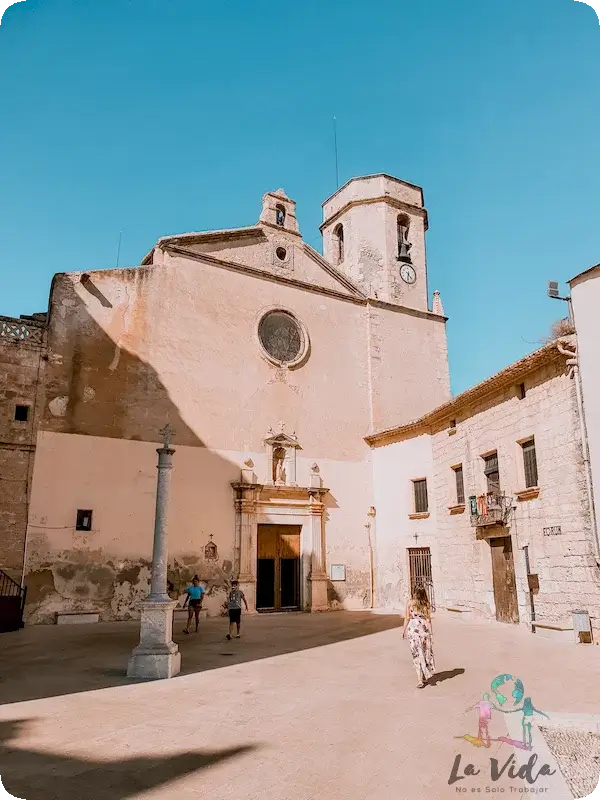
119 249
337 177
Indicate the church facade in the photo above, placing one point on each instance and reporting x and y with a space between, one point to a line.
319 456
270 363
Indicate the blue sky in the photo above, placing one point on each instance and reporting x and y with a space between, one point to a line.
163 116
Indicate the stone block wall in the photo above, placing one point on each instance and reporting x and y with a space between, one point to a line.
21 366
564 562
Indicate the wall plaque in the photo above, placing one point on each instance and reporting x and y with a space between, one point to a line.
338 572
555 530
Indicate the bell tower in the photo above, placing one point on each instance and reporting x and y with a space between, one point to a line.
374 232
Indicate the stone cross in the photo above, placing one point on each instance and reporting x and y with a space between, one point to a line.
167 433
416 537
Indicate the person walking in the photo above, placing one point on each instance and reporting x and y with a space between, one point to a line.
194 595
234 607
417 625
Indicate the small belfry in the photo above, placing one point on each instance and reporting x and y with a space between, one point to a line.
278 211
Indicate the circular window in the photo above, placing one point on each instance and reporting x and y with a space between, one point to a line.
282 338
281 253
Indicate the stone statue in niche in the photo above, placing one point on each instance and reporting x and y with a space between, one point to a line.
279 455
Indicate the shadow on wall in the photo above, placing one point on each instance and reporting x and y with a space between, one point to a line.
37 775
95 386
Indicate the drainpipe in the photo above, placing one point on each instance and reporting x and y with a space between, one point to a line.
573 364
370 526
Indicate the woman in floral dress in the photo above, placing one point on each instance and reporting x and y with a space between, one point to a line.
417 625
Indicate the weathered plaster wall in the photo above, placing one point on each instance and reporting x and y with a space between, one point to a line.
21 366
108 569
177 341
565 563
409 366
394 469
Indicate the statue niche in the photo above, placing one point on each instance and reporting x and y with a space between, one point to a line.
281 458
279 455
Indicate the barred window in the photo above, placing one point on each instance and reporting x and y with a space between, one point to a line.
421 501
530 464
460 485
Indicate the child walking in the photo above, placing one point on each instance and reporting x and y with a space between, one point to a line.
194 595
234 607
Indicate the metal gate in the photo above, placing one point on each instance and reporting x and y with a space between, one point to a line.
12 604
419 560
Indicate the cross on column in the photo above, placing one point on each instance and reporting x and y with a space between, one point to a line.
167 433
416 537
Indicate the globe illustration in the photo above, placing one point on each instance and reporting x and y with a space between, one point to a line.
507 690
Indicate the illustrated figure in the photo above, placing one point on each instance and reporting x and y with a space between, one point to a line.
484 707
528 710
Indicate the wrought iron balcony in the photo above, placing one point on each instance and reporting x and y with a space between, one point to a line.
490 509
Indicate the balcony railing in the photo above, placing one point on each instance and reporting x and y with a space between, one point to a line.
490 509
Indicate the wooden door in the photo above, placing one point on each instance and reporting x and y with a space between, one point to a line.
503 575
278 568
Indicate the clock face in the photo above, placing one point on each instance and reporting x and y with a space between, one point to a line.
408 274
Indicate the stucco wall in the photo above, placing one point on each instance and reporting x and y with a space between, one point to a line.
585 295
108 569
394 468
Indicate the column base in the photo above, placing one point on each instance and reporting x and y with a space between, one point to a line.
157 656
318 593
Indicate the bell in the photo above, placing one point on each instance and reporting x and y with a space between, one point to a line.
403 254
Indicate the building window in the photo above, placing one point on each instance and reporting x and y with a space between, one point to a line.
530 464
84 520
338 235
283 338
21 413
404 245
460 486
280 215
421 501
522 391
492 474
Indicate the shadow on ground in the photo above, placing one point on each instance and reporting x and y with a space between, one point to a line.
37 775
440 677
49 660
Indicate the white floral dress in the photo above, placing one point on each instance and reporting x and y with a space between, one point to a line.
418 632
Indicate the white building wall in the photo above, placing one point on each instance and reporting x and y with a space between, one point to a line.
394 469
585 296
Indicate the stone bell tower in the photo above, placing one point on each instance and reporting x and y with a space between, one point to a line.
374 232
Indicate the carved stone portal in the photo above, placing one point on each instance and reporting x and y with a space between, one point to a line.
281 458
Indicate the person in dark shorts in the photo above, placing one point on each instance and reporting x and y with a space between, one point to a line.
194 595
234 607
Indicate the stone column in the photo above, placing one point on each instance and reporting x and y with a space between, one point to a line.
246 509
157 656
318 575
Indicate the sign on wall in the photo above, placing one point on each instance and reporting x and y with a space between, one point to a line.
338 572
555 530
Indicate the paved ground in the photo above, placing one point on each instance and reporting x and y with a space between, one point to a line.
303 707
